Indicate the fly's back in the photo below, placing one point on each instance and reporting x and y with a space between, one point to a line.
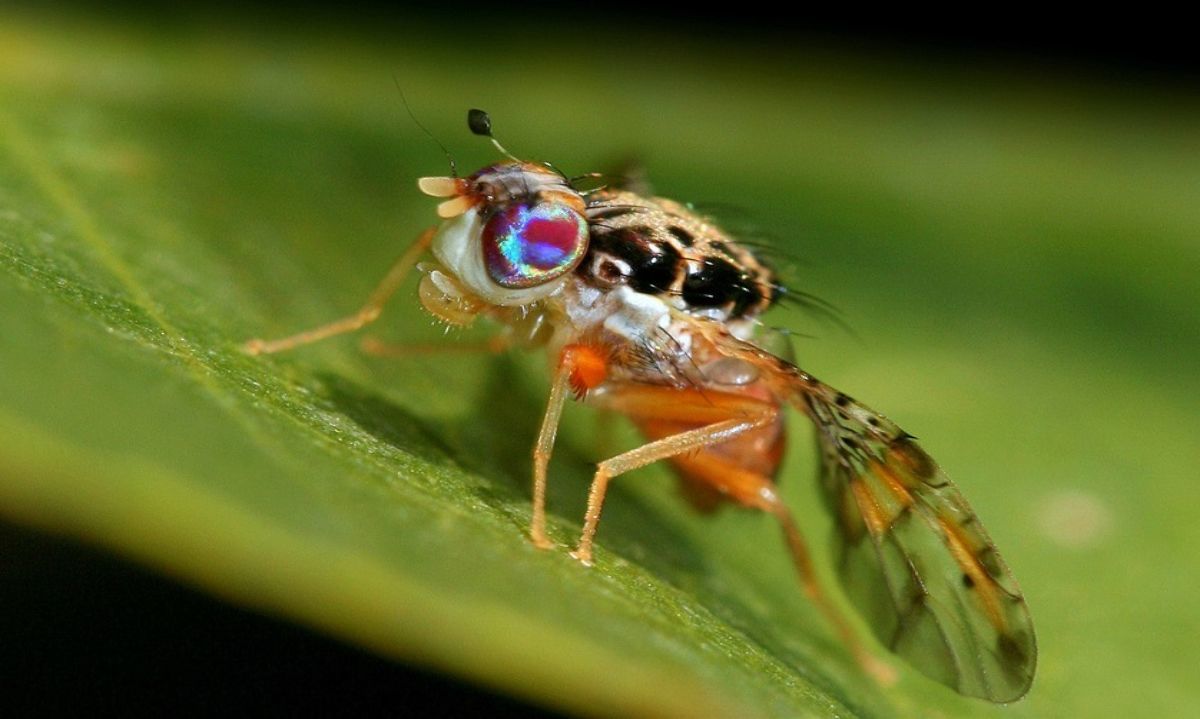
661 248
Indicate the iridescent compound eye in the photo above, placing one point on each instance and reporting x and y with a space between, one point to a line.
525 246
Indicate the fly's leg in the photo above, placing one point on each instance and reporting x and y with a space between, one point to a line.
872 665
367 314
646 454
579 368
729 476
724 417
757 491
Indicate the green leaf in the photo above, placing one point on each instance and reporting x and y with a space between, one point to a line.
1019 261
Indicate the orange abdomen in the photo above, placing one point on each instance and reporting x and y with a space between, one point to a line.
703 474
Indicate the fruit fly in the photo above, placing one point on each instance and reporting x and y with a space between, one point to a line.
649 309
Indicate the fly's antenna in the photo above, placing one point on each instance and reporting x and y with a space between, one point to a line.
413 117
481 124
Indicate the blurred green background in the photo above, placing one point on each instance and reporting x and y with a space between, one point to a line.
1014 245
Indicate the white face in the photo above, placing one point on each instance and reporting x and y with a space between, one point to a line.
458 246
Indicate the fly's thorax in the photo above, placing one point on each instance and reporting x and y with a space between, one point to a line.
511 233
645 338
660 248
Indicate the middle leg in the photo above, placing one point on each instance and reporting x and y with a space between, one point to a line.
726 457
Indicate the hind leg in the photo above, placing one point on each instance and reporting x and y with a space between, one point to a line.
712 418
734 465
757 491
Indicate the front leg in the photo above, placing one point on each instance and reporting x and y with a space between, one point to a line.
580 367
367 314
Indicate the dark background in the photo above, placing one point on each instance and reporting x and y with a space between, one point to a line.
1142 42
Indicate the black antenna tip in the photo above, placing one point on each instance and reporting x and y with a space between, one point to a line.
479 122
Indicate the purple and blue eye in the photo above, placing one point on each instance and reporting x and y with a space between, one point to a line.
525 246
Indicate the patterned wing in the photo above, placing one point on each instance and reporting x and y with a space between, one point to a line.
913 555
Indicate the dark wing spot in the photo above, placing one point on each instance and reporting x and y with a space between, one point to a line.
914 458
1012 651
990 561
968 581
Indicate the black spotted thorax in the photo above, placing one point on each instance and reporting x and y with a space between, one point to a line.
662 248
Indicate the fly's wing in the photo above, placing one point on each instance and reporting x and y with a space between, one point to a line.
914 557
912 554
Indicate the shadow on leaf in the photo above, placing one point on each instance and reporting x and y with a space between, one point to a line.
496 444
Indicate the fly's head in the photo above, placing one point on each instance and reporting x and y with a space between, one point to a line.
510 235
